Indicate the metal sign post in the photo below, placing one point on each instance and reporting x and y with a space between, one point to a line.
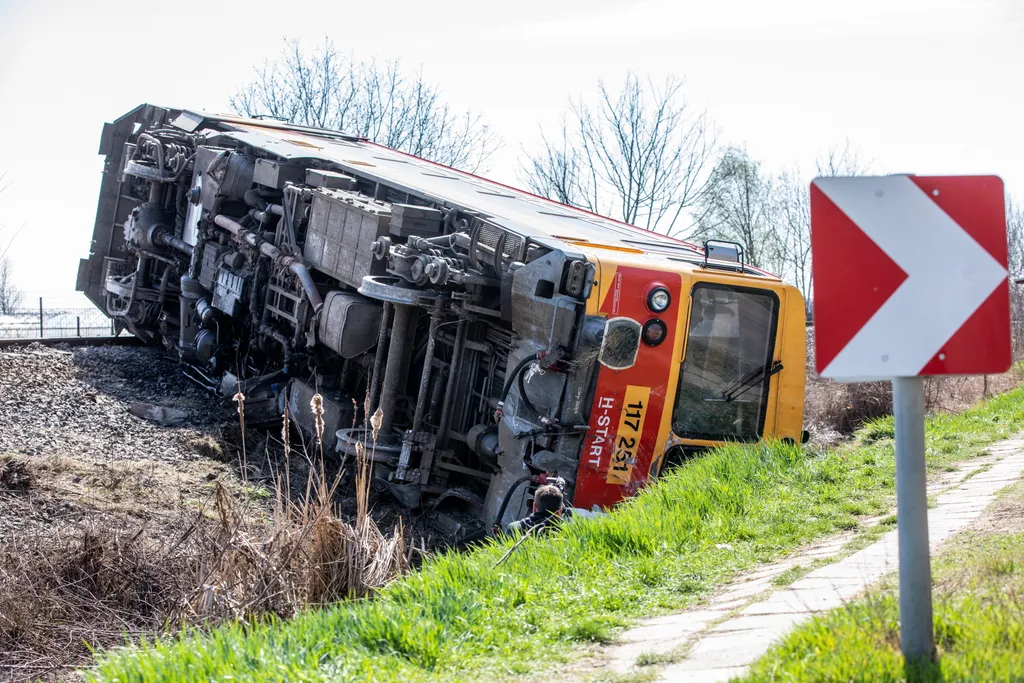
916 639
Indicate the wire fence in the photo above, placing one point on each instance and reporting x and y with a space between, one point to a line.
54 314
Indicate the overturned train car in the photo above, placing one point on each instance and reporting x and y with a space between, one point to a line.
505 338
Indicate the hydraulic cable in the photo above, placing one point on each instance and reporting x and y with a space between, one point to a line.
508 497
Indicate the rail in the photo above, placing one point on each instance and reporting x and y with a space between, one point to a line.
123 340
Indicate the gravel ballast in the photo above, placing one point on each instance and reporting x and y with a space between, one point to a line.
77 403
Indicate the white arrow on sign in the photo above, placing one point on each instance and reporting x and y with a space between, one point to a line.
949 275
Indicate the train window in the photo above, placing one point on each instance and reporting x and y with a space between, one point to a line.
723 386
621 343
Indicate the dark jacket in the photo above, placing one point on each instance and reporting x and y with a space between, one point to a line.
541 520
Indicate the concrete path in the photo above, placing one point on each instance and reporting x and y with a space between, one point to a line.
736 627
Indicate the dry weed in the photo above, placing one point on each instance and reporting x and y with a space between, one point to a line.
239 398
75 588
205 445
834 410
14 474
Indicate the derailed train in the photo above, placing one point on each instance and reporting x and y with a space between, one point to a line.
505 338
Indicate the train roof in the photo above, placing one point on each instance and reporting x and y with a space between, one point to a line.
527 214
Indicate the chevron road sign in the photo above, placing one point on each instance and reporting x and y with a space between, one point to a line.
910 276
910 279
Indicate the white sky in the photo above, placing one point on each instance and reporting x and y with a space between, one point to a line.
923 86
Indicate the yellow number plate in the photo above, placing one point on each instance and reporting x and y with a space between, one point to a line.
627 438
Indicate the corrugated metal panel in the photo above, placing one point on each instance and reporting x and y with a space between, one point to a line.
342 228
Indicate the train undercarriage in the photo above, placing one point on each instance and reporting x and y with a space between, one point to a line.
276 270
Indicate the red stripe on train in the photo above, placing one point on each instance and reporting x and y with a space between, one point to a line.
627 297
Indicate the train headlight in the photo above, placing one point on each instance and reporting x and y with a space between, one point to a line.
654 332
658 299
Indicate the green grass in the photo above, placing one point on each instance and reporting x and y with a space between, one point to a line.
979 624
459 618
792 574
661 658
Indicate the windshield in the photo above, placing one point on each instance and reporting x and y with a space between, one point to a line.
723 387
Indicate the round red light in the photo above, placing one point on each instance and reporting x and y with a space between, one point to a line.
654 332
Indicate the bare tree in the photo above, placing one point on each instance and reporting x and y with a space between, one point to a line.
642 155
380 102
1015 236
10 295
790 240
558 172
740 207
841 161
1015 244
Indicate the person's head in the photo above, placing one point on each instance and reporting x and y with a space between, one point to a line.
548 499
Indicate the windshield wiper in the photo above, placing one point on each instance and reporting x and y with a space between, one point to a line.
747 382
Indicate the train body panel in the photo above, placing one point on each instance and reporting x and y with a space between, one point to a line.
475 338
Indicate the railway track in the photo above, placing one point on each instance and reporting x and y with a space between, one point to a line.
125 340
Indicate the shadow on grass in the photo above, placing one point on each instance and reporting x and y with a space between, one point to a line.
923 670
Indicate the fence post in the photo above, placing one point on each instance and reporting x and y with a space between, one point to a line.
112 333
78 325
40 317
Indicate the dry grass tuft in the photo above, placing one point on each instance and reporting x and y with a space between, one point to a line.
15 474
79 587
71 589
308 556
834 410
205 445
